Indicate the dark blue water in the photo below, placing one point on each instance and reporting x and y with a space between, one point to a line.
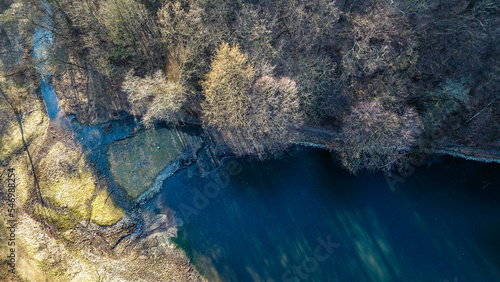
302 218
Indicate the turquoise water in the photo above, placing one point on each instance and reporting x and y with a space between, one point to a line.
303 218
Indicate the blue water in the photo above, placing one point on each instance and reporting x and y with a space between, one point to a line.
50 98
271 221
42 40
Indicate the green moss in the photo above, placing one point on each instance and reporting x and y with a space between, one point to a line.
135 162
54 273
104 209
119 56
34 122
62 220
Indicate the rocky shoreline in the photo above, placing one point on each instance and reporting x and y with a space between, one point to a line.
180 163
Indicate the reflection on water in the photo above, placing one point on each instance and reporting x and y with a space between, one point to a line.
304 218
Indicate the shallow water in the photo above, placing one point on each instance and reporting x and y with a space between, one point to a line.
42 40
271 221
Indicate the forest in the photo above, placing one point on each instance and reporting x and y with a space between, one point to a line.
374 81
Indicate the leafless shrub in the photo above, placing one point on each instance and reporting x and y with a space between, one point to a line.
375 138
155 98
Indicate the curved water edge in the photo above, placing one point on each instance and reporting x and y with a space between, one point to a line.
178 164
280 223
43 39
267 219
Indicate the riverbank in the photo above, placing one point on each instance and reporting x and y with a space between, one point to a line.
126 240
468 153
85 169
56 244
472 154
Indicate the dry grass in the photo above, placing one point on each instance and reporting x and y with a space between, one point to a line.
44 257
66 179
104 210
34 124
24 179
135 162
62 220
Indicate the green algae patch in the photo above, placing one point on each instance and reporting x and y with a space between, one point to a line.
104 209
66 179
135 162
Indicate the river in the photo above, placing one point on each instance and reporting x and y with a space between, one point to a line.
303 218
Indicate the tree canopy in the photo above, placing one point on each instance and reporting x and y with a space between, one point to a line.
264 73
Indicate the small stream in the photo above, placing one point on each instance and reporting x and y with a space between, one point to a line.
303 218
41 42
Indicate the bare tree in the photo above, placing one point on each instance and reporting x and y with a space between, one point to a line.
376 139
257 118
226 89
155 98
